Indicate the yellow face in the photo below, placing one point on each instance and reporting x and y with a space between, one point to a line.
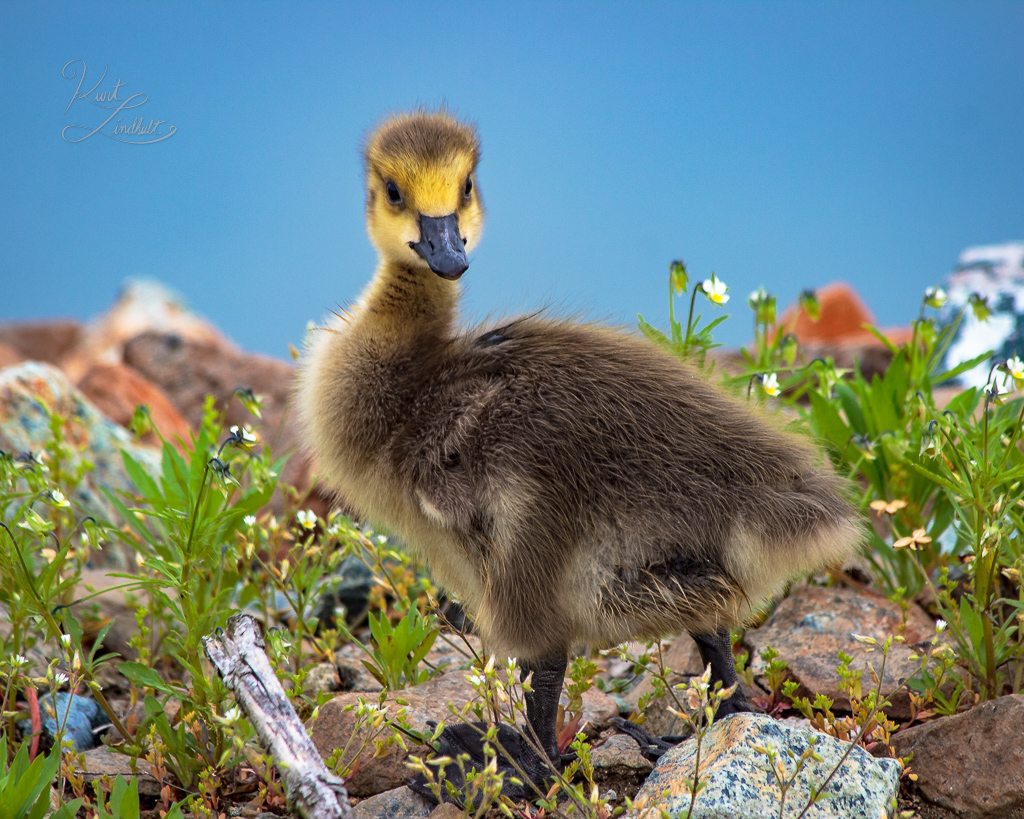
421 165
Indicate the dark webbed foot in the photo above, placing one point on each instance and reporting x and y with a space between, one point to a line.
516 759
651 748
716 651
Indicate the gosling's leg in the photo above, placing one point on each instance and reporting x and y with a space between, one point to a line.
716 650
542 702
517 755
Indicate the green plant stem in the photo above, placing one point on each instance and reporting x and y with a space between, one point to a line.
47 616
860 735
689 321
1013 438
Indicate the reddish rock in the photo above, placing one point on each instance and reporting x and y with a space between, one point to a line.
841 320
117 390
971 763
682 661
813 624
141 306
334 727
49 340
188 371
839 332
9 356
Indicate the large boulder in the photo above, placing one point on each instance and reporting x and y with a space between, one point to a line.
49 340
142 306
971 763
740 783
840 331
811 626
117 390
29 394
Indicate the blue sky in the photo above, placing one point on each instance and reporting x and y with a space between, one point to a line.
783 144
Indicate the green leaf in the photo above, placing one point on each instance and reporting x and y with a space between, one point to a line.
828 423
963 367
851 407
144 676
972 623
653 333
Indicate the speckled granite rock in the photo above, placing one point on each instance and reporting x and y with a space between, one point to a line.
741 785
29 392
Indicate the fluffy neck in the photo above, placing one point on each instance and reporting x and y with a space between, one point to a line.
402 302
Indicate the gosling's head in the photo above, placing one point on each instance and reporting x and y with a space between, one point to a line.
423 207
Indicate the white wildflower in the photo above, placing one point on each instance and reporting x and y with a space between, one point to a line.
58 498
245 434
935 297
307 518
770 384
1015 368
714 288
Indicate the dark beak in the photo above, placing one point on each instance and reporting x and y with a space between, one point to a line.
441 246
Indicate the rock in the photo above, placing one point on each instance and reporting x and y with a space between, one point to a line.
49 340
189 370
400 803
446 810
117 390
811 626
141 306
995 272
110 606
971 763
9 356
741 785
619 766
79 715
598 712
429 701
322 677
103 761
29 392
839 331
683 659
334 727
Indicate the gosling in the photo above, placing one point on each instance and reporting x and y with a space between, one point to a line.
570 483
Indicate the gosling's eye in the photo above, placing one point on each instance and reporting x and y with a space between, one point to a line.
394 195
469 186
